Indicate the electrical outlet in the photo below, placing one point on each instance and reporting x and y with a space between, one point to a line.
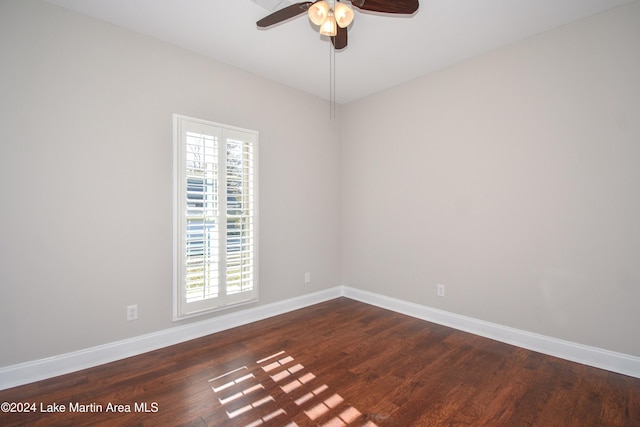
440 290
307 277
132 312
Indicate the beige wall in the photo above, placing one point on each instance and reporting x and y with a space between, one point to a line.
86 178
513 179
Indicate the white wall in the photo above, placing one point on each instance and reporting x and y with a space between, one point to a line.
86 178
513 179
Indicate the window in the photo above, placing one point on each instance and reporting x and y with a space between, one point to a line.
216 216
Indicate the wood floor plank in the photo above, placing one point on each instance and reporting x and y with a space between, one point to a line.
339 363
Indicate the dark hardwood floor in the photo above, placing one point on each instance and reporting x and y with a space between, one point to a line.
334 364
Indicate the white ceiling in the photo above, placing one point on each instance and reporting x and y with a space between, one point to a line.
383 51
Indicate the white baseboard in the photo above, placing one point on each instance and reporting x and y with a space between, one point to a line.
24 373
586 355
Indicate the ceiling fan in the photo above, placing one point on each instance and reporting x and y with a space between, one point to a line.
334 17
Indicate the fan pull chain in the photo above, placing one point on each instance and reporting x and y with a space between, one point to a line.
332 64
332 81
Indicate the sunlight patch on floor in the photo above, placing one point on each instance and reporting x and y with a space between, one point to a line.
277 387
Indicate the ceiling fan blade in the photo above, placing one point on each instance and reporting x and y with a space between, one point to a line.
404 7
340 39
284 14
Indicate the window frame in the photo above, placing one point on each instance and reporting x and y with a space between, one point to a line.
226 135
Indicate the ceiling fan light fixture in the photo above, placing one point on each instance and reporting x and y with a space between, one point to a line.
318 12
343 15
329 27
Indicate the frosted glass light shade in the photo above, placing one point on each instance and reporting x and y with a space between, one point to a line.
329 26
343 14
318 12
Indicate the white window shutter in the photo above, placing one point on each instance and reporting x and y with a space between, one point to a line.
216 216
